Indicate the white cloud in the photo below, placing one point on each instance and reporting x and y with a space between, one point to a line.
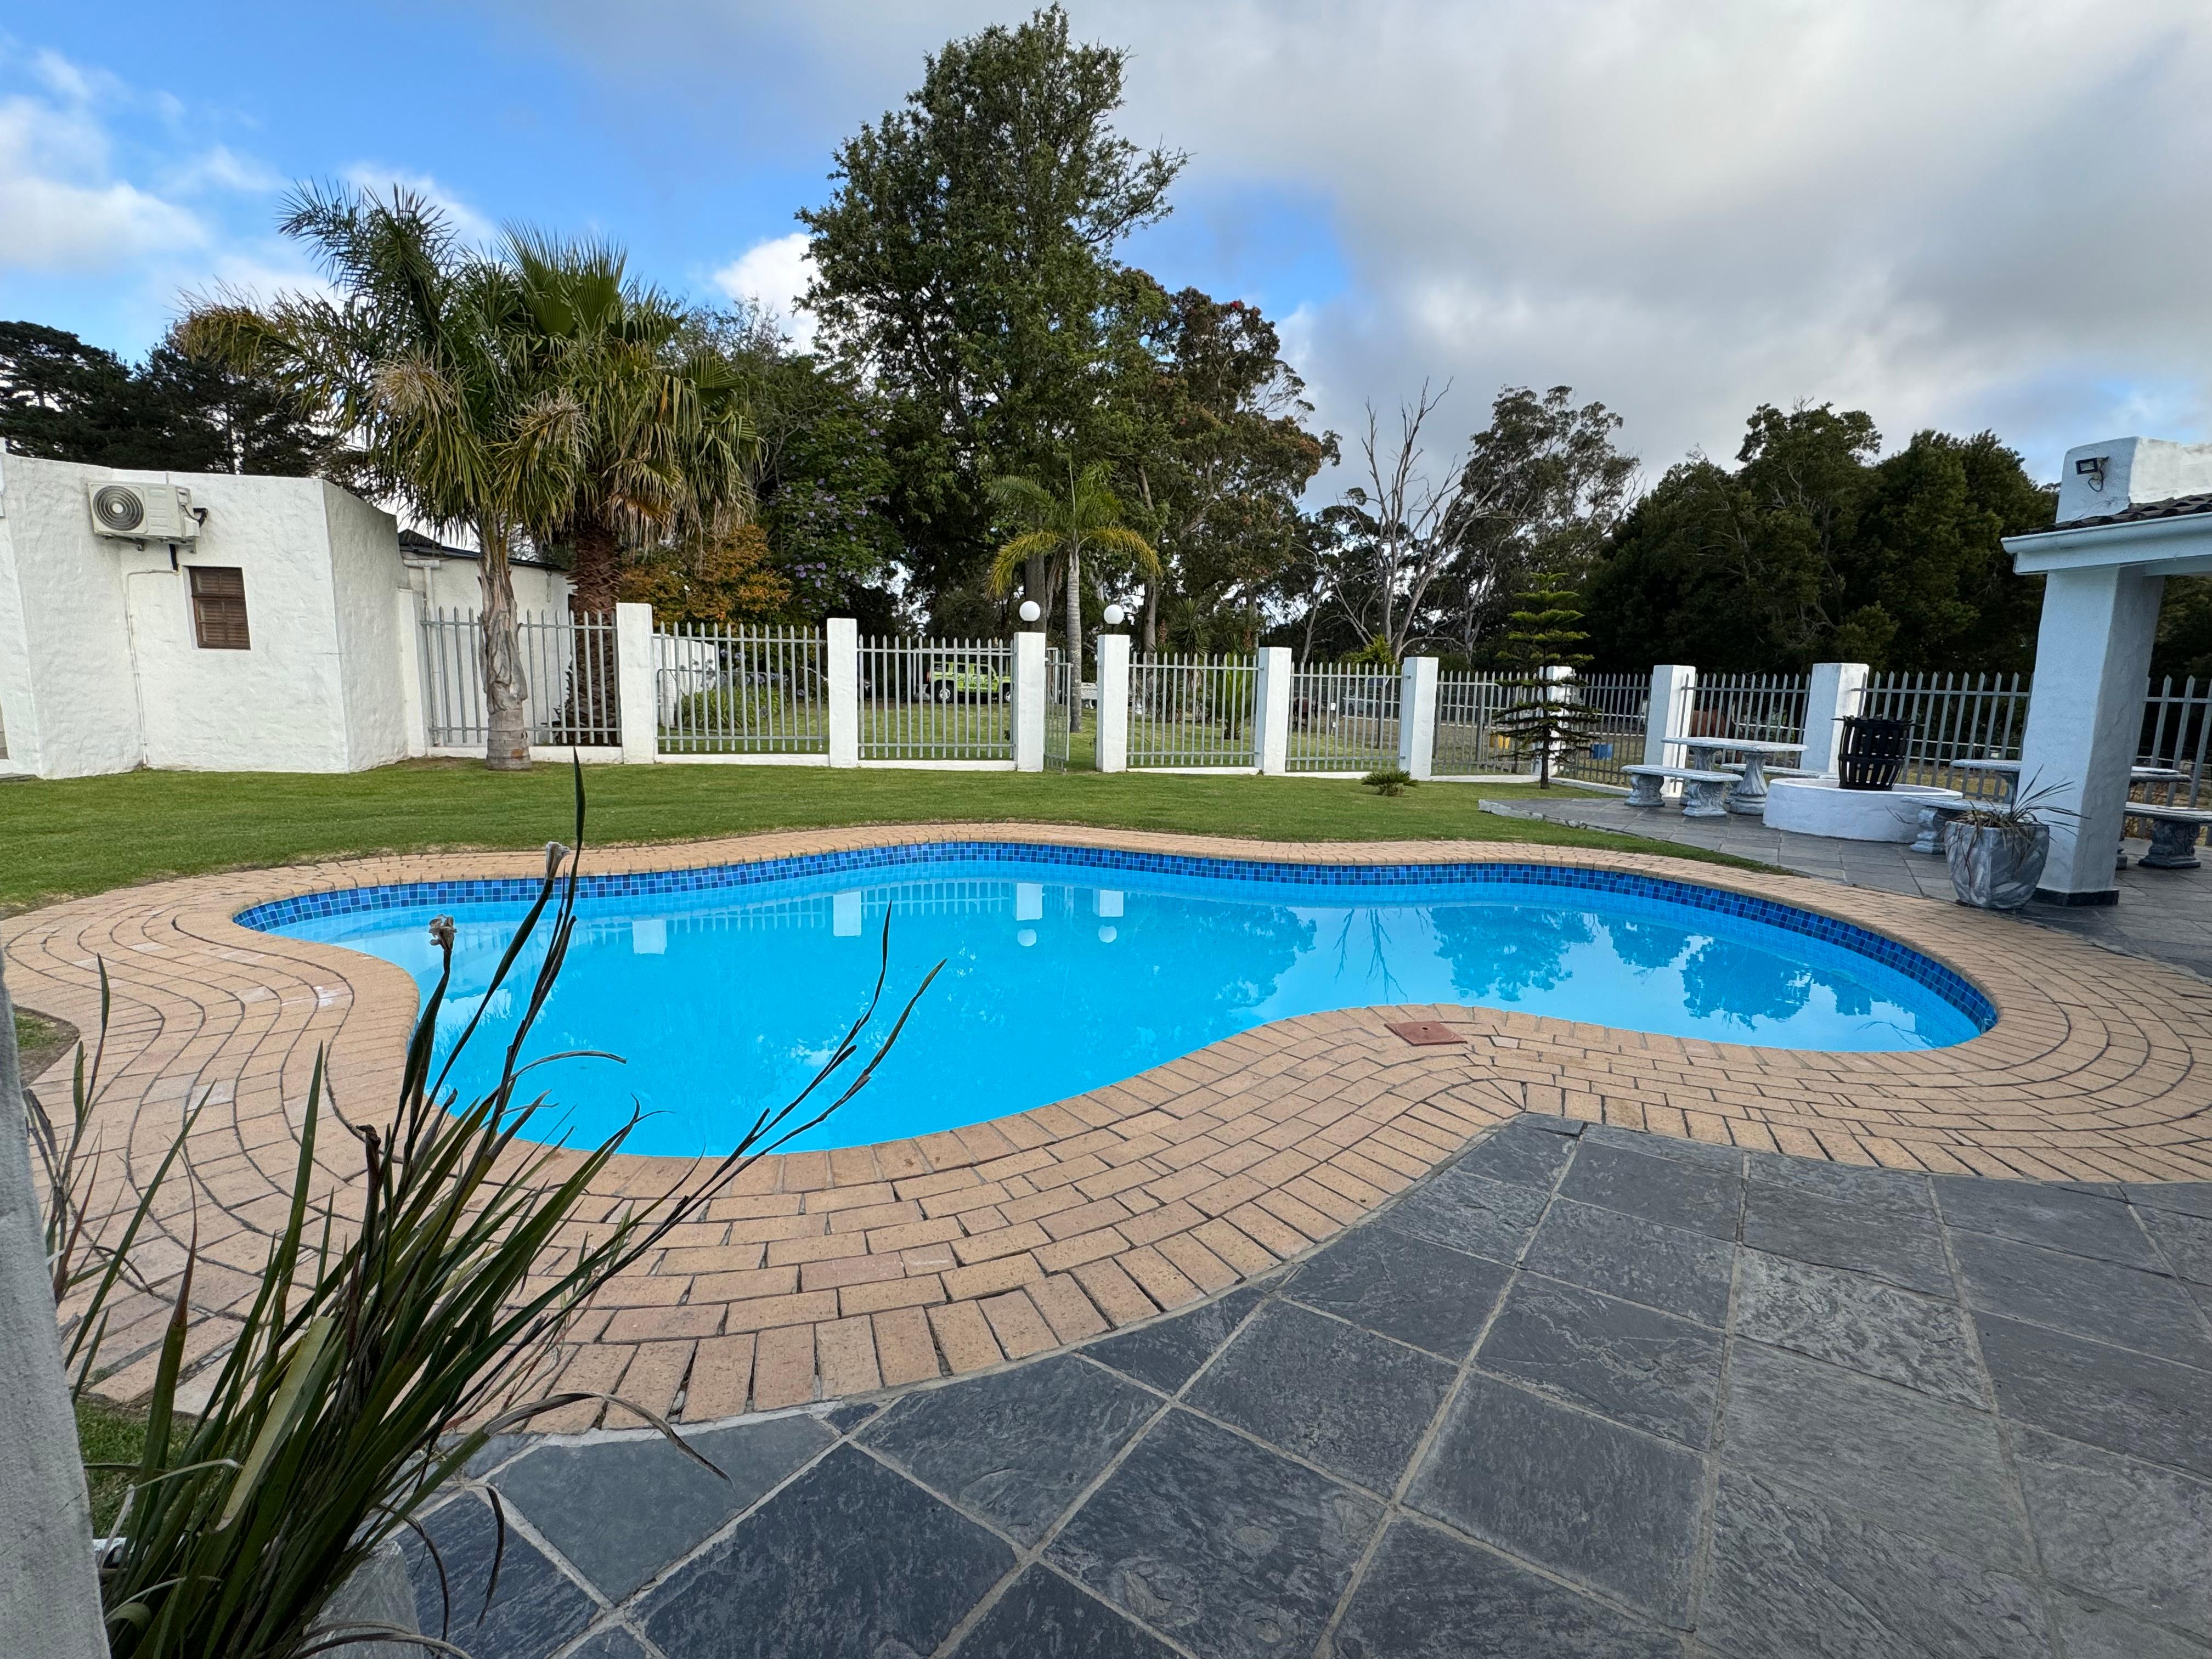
61 207
469 224
773 274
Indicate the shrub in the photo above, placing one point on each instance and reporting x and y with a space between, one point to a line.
1389 780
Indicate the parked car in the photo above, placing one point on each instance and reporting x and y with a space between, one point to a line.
967 682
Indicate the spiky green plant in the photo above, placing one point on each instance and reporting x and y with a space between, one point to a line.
339 1408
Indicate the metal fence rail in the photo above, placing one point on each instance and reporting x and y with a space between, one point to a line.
1953 717
1757 708
2176 733
937 699
744 689
1344 718
1467 743
568 666
1192 711
1620 701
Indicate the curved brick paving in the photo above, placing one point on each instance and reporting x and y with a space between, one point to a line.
834 1274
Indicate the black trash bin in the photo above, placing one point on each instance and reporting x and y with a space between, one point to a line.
1873 752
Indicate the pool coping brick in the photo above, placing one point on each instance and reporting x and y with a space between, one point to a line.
836 1273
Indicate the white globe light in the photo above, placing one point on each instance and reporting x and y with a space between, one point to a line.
1026 938
1107 935
1115 616
1031 610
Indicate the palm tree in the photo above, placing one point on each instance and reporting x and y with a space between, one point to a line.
1056 531
668 438
425 356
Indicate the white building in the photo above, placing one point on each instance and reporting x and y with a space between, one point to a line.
271 630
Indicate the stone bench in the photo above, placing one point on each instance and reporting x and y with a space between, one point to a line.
1706 796
2172 835
1934 816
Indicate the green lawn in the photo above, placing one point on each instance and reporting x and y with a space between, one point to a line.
87 835
108 1434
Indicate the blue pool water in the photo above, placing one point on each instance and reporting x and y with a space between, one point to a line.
1066 969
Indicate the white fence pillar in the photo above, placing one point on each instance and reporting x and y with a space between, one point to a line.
636 695
1112 703
414 721
1270 740
1667 719
1837 689
1417 717
1030 693
840 667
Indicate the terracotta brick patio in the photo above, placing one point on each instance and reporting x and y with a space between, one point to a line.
828 1273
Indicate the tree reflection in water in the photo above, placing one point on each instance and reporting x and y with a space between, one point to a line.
1499 952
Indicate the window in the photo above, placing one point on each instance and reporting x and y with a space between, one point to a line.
219 608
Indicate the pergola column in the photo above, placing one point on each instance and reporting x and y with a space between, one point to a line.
2085 720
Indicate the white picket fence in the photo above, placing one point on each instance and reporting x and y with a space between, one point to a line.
1188 712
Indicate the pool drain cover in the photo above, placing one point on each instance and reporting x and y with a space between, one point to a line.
1426 1033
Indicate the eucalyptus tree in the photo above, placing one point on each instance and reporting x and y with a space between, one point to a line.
427 355
1057 529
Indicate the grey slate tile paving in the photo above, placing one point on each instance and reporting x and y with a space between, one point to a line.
1521 1153
1428 1595
1232 1550
850 1561
534 1608
1569 1492
2033 1213
1016 1446
1165 1353
1407 1287
2093 1631
1793 1577
1858 1322
1354 1403
650 1504
613 1643
1810 1224
2090 1297
1650 1370
2185 1240
1467 1213
1625 1256
2125 1402
1662 1189
1863 1508
2127 1533
1042 1616
1916 1464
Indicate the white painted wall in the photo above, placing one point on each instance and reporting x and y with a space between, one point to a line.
100 670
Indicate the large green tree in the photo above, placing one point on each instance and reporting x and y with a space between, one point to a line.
65 400
1218 454
1812 548
965 266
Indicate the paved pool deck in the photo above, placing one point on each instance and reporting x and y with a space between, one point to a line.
1581 1391
827 1275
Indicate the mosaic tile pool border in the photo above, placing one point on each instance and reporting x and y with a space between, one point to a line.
1916 965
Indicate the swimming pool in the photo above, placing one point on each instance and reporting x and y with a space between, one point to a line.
1070 968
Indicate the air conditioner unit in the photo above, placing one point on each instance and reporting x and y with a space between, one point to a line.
143 513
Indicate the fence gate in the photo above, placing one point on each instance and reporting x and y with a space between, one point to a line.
568 663
1344 718
937 699
1193 712
1467 743
740 689
1060 684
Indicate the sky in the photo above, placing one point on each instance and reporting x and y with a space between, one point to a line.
1961 214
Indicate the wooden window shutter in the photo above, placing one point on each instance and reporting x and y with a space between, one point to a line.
219 608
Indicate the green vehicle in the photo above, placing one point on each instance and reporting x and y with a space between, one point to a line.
952 680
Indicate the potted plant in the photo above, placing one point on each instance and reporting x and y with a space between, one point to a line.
1996 848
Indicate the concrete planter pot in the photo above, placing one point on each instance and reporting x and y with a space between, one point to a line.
1994 868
